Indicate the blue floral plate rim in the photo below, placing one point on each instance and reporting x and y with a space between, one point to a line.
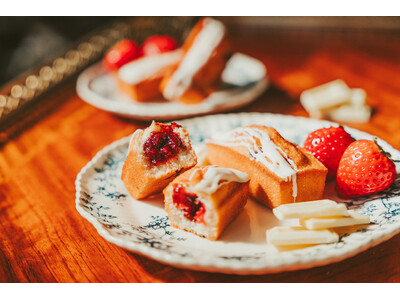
166 247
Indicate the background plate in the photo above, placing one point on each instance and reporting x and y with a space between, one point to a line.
143 226
244 80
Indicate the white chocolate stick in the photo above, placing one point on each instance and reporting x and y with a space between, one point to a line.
147 66
330 222
336 101
280 236
325 96
310 209
349 113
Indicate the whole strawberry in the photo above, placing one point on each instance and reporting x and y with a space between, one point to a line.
364 169
158 44
120 54
328 145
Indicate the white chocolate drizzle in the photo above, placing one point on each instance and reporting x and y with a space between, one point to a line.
215 177
146 67
261 149
203 46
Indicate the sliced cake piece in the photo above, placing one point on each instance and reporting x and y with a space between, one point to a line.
140 79
280 171
206 52
204 200
156 156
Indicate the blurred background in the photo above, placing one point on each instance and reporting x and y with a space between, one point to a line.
28 41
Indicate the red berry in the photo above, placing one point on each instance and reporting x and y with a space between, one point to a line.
120 54
328 145
163 145
193 209
157 44
364 169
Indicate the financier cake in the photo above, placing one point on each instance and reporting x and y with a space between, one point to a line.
280 171
156 156
206 52
141 78
205 199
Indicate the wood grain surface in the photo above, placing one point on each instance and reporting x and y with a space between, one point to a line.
44 239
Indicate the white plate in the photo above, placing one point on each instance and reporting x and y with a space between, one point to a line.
143 226
245 79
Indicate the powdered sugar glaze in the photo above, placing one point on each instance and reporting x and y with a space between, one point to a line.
216 176
146 67
203 46
261 149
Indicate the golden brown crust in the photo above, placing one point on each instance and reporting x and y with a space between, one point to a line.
266 186
232 206
139 182
145 91
227 202
148 89
225 215
220 196
208 78
290 149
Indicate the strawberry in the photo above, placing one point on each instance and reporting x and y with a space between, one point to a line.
157 44
328 145
120 54
364 169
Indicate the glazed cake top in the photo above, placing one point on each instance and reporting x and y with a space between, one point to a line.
210 178
260 146
267 147
148 66
202 48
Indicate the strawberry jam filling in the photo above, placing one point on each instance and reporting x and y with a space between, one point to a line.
163 145
192 208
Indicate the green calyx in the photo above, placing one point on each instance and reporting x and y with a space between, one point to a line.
387 154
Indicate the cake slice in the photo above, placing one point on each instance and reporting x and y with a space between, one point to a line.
280 171
204 200
206 52
156 156
141 78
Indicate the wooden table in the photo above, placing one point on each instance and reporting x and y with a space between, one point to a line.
44 239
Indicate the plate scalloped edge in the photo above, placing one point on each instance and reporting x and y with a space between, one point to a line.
221 266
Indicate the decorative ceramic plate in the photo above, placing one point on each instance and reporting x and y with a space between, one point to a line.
244 79
143 226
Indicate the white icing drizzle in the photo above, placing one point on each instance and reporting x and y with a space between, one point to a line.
262 149
203 46
146 67
215 177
